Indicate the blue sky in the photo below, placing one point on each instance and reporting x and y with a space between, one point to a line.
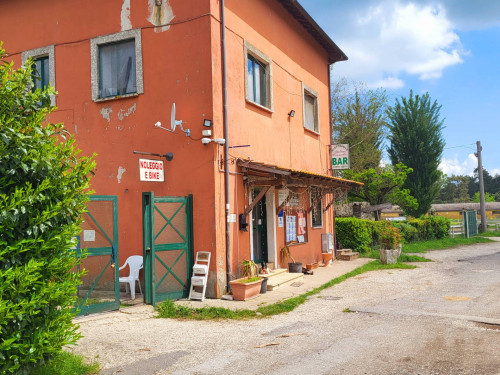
449 48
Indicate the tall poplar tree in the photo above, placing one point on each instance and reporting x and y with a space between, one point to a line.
359 119
416 140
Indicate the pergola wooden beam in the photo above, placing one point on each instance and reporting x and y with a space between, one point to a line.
257 199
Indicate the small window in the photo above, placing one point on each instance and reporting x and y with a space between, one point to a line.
43 68
258 77
256 81
116 65
117 69
41 75
317 208
311 117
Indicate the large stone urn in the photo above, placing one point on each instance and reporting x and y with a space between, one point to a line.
390 256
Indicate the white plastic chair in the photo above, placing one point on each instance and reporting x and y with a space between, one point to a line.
135 265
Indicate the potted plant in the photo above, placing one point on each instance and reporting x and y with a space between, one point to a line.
390 244
293 266
249 285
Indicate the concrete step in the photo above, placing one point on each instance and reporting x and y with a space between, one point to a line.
273 273
283 279
343 251
351 255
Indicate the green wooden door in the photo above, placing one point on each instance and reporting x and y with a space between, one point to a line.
99 290
168 246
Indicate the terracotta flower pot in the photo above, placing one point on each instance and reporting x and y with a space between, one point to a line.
244 291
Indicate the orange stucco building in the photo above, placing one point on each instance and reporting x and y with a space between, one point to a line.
119 65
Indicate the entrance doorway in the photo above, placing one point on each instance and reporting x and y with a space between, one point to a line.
259 229
168 246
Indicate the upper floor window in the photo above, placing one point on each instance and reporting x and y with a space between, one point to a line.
311 115
257 81
116 65
258 77
41 73
43 68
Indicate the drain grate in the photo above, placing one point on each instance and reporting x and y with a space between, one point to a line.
296 284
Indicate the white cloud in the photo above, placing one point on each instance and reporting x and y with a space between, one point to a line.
393 39
456 167
494 172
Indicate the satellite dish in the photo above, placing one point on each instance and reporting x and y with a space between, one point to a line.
174 122
172 118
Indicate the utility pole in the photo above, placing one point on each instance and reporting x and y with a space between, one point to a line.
482 205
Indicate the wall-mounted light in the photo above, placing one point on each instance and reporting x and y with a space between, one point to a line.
291 113
207 123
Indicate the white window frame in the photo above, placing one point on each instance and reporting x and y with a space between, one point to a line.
94 62
320 203
47 51
306 90
265 60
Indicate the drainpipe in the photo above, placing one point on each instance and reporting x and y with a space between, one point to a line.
226 148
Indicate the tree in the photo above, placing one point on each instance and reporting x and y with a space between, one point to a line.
454 190
43 191
359 119
417 142
487 197
383 185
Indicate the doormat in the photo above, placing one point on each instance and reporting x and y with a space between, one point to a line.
296 284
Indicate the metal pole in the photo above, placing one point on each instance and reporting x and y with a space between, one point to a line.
482 205
226 147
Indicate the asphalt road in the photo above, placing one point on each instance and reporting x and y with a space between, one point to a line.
441 318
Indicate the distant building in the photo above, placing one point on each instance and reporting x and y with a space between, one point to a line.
449 210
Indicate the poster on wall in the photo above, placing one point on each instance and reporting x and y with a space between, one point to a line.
280 219
291 228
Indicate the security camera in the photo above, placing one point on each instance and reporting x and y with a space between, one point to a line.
158 124
220 141
206 141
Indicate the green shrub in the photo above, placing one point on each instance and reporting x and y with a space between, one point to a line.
377 228
389 237
431 227
43 186
353 233
408 232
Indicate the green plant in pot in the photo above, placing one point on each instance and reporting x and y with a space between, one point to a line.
293 266
249 285
390 244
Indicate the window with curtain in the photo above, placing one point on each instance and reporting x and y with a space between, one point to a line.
310 112
117 69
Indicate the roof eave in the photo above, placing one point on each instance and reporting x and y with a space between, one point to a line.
335 54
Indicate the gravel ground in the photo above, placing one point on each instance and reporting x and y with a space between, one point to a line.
441 318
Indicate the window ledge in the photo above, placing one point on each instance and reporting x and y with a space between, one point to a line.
321 227
311 131
117 97
259 106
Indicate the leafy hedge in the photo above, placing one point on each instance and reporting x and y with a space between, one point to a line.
359 234
43 191
353 233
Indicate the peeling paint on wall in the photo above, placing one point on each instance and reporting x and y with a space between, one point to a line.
122 113
121 171
106 112
160 13
125 16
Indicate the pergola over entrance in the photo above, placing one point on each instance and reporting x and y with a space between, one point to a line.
267 176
